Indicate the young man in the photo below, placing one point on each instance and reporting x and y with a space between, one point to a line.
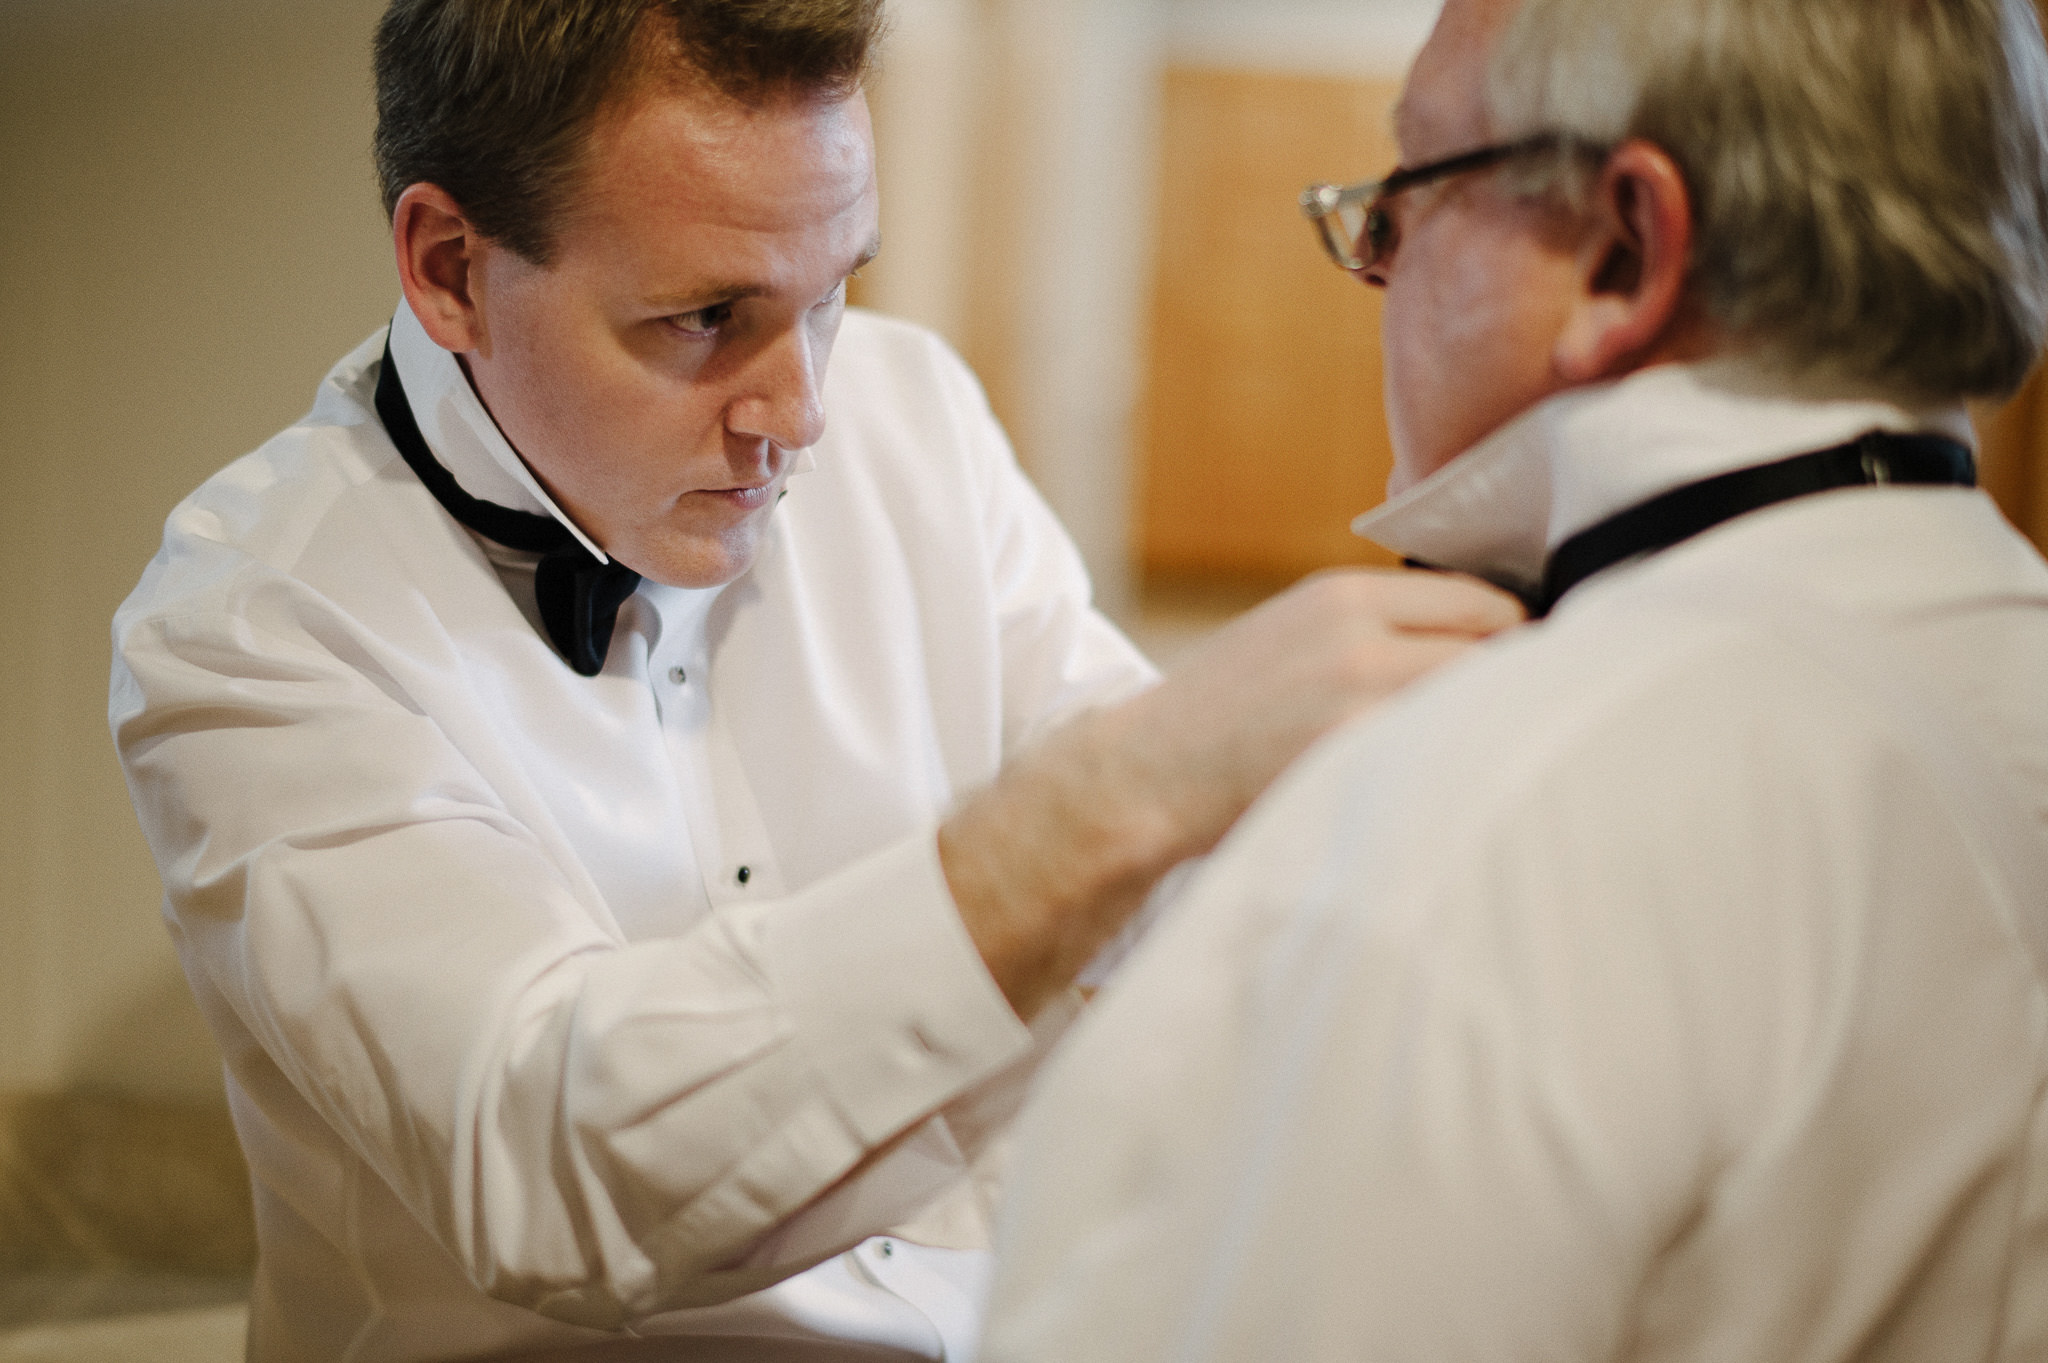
630 840
1670 979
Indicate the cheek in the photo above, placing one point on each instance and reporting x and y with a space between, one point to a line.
544 364
1424 328
1401 340
623 423
1469 337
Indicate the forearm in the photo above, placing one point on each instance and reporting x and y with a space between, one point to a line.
1048 863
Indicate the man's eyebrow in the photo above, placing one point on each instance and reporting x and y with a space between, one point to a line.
714 295
710 296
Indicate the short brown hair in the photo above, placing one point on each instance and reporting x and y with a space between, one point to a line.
493 100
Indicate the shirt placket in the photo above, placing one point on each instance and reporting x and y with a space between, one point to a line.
726 830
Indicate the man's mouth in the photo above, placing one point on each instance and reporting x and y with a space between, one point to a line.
748 498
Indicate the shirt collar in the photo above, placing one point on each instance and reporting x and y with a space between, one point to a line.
462 434
1501 507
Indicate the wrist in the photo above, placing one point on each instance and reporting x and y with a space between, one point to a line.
1048 863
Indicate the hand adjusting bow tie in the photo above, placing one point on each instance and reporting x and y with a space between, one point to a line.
579 597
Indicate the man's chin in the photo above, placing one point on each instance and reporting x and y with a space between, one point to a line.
1403 475
1413 465
694 563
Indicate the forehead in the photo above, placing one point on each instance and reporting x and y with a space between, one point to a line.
1443 106
675 161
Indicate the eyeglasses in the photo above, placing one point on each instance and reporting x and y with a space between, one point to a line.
1353 221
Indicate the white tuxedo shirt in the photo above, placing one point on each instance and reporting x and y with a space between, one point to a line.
555 1004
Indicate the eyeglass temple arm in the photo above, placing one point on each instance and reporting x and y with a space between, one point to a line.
1319 200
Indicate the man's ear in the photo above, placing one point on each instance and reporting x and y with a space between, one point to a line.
437 251
1633 259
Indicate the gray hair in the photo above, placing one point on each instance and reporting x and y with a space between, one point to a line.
1869 177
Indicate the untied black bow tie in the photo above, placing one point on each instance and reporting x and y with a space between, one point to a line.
579 597
1870 460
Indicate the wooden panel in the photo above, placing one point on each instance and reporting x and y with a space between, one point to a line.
2015 470
1264 433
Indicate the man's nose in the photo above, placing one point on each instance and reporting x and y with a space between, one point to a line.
782 401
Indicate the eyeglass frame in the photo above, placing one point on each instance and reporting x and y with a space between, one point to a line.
1321 203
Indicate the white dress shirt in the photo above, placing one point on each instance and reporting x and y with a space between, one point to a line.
1662 981
554 1004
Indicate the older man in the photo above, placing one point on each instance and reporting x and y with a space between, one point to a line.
618 831
1669 980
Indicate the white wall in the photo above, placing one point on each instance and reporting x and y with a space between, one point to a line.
1328 37
1016 152
1060 97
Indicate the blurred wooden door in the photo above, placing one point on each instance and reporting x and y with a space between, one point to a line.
1264 433
2015 462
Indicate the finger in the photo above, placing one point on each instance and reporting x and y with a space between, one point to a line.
1419 601
1463 604
1377 671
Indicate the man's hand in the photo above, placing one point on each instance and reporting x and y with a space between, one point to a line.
1048 863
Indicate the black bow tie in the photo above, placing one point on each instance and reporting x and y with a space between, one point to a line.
1870 460
579 597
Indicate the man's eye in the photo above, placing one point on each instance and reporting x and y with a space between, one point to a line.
703 322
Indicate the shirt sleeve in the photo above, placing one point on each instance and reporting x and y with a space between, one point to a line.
592 1129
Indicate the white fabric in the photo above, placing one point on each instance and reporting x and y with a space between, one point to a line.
554 1004
1637 989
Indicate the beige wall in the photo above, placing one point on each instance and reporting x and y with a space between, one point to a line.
1023 196
1016 159
188 237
